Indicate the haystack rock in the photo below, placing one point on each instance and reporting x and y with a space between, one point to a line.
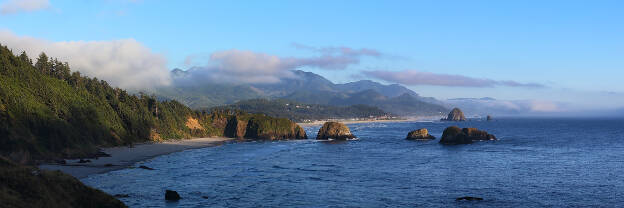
455 115
489 118
420 134
334 130
455 135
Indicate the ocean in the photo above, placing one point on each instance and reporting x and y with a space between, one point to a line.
546 162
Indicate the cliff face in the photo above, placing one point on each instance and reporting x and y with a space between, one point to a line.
334 130
455 115
22 186
256 126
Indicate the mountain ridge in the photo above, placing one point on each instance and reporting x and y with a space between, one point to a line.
304 87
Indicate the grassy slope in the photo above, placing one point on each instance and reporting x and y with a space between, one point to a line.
22 186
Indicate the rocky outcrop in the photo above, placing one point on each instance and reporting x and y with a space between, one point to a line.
455 115
455 135
172 195
334 130
488 118
24 186
260 127
419 134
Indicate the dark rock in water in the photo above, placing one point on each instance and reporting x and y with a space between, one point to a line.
205 197
145 167
489 118
172 195
334 130
62 162
469 198
84 161
108 165
477 135
420 134
455 115
455 135
121 195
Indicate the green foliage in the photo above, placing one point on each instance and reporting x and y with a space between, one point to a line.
46 112
300 112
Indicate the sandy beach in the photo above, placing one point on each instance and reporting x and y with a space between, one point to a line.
411 119
124 157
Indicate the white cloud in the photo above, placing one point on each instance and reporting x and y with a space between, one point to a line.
236 66
16 6
124 63
239 66
414 77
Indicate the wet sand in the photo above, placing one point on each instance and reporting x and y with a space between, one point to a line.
124 157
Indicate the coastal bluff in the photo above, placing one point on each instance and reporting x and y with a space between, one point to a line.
455 135
455 115
419 134
261 127
334 130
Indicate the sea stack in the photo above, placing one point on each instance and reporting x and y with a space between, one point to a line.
419 134
489 118
334 130
455 115
455 135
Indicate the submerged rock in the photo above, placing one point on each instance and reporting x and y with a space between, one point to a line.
455 115
455 135
145 167
334 130
469 198
419 134
172 195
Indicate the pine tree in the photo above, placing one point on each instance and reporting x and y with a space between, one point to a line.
43 63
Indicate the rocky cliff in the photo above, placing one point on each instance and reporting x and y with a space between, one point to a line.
256 126
334 130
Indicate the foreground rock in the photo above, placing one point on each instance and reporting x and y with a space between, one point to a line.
455 115
172 195
334 130
24 186
420 134
455 135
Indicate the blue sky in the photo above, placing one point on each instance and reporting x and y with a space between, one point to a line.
574 49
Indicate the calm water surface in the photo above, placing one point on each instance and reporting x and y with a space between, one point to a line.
536 163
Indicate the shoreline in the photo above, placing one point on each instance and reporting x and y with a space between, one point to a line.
124 157
412 119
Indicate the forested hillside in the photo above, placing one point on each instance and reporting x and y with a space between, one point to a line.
300 112
48 112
